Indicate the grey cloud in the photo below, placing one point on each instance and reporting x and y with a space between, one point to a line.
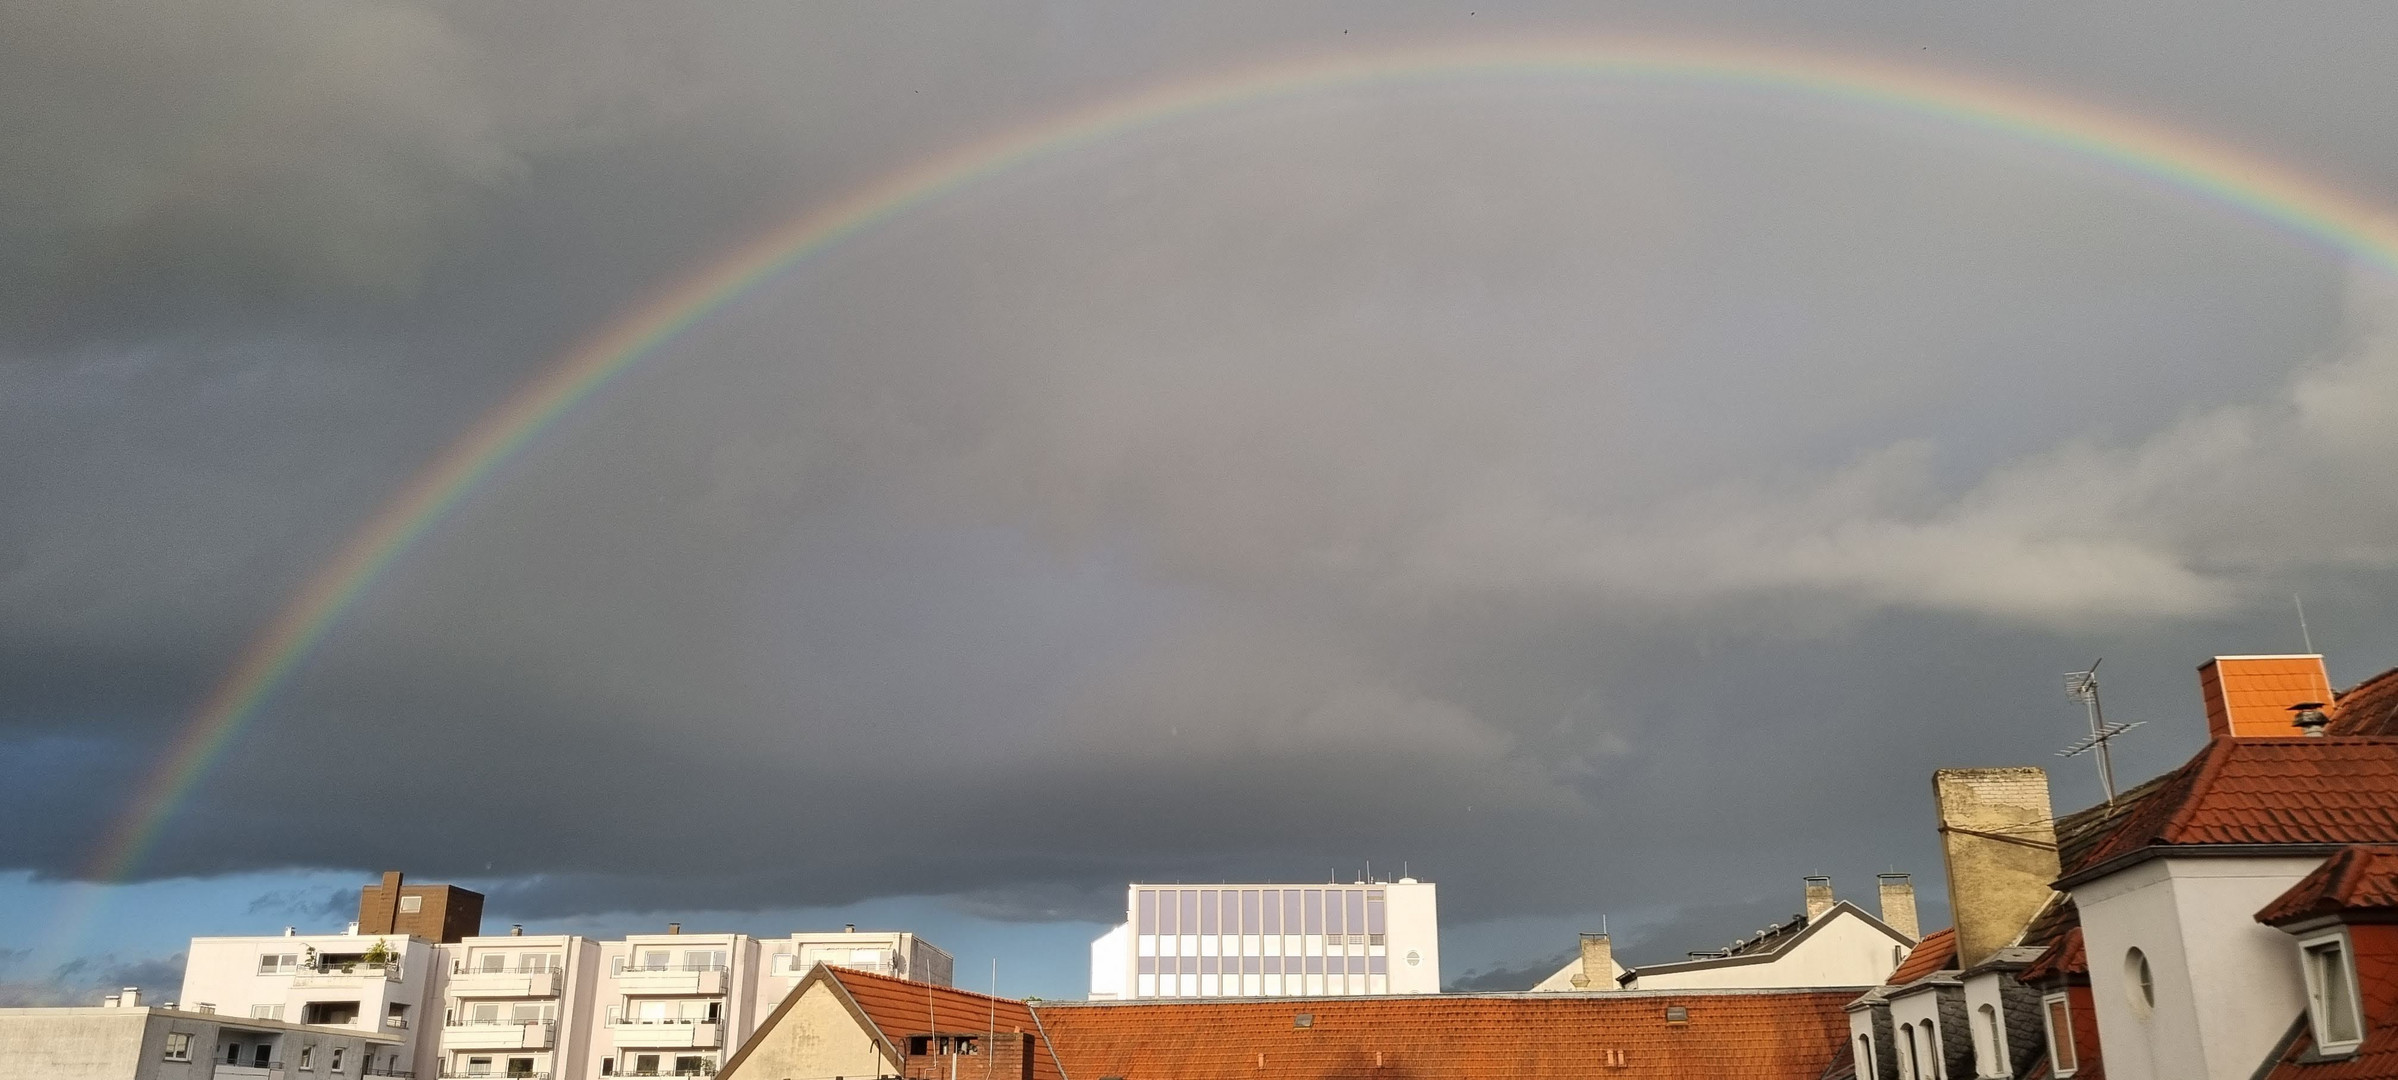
83 980
1596 497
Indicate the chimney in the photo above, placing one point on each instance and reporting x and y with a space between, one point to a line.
379 906
1898 904
674 928
129 998
2250 697
516 929
2000 845
849 928
2308 718
1598 964
1819 896
291 931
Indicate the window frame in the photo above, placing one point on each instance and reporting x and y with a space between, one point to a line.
1995 1028
2308 947
2050 1005
178 1047
2139 982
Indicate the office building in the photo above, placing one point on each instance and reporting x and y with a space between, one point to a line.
1271 941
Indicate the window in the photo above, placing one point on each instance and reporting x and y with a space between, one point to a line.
607 1066
232 1053
478 1066
1865 1066
687 1066
335 1064
1909 1066
2138 983
495 962
520 1066
266 1012
2059 1016
262 1055
410 905
2331 992
645 1065
308 1056
278 963
179 1046
1932 1064
653 960
1990 1049
1676 1014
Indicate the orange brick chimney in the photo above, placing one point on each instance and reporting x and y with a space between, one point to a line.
2249 697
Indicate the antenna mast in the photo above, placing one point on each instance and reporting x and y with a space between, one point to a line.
2082 686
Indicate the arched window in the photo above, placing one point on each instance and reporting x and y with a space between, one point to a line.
1865 1057
1932 1063
1989 1047
1910 1065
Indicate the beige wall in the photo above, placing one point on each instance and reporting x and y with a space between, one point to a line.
2000 846
818 1038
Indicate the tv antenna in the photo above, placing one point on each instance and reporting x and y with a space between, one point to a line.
2082 686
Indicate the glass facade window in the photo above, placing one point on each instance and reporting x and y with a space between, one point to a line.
1207 912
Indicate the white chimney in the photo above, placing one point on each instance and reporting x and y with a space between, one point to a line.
351 930
130 997
1819 896
291 931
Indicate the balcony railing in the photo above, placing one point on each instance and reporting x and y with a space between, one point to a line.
491 1074
461 967
622 968
704 1070
616 1016
502 1022
400 1022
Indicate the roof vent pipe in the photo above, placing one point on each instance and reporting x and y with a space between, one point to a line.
2308 718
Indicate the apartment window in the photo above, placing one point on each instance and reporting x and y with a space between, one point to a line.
179 1046
266 1012
410 905
2058 1014
308 1056
2139 983
232 1053
278 963
687 1066
262 1055
785 963
645 1065
1990 1051
520 1066
1676 1014
654 960
607 1066
334 1065
478 1066
2331 992
495 962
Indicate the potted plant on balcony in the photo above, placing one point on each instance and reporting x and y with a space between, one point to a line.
381 955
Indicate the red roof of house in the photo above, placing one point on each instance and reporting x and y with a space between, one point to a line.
2368 708
2063 959
2267 791
1761 1034
1937 952
898 1008
2360 878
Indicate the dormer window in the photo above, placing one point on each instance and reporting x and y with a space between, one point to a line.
2331 998
2057 1011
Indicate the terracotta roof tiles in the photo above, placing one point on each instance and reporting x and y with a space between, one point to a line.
1750 1034
2368 708
2360 878
2265 791
1937 952
900 1008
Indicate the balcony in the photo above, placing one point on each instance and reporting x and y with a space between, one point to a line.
250 1072
663 1034
487 1074
346 975
500 1035
508 984
688 981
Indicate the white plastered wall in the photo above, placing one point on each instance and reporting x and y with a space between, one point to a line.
1844 951
2227 987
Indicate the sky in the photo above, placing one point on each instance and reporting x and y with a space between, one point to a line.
1608 499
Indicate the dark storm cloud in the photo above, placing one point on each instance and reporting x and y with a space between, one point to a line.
84 980
1597 502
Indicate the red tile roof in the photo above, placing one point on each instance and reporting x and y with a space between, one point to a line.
2266 791
2064 960
2368 708
2360 878
898 1008
1756 1035
1937 952
2251 696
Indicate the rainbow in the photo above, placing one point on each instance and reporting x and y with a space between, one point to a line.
2177 161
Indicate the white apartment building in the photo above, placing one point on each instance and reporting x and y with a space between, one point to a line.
1366 937
375 984
535 1007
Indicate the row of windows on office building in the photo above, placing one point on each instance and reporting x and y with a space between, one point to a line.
1328 910
1260 985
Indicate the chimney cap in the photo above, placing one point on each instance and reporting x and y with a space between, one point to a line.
2307 717
1894 876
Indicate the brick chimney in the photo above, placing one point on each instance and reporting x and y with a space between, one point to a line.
1898 904
1819 896
1598 964
2000 846
379 906
2249 697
